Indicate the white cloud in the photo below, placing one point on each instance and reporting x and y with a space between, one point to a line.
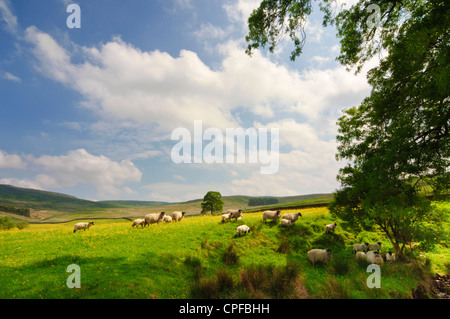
11 161
78 167
8 17
11 77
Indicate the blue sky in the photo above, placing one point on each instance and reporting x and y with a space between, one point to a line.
90 111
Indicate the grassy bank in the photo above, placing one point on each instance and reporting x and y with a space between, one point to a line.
199 258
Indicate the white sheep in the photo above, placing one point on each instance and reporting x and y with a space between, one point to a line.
293 217
319 255
235 213
167 219
177 216
374 257
364 247
330 228
225 217
243 229
286 223
376 246
390 256
271 214
138 222
153 218
83 226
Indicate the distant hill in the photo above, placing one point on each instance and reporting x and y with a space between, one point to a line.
44 200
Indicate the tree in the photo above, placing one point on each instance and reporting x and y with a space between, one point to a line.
398 137
212 202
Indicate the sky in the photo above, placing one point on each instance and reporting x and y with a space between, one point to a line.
91 111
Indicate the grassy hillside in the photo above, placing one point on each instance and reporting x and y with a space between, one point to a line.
201 258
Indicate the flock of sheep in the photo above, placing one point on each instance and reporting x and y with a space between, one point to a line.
370 252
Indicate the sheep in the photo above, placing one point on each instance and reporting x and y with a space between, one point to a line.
236 214
177 216
167 219
83 226
293 217
374 257
364 247
153 218
225 217
390 256
376 246
319 255
286 223
243 229
138 222
271 214
330 228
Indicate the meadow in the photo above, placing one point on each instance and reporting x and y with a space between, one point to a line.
201 258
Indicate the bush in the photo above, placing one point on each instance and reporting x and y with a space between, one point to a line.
22 225
6 223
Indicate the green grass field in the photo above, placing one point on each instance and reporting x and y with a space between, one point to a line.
201 258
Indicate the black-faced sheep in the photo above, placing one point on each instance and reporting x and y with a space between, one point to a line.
364 247
153 218
330 228
225 217
390 256
271 214
293 217
167 219
374 257
235 213
286 223
319 255
376 246
177 216
243 229
83 226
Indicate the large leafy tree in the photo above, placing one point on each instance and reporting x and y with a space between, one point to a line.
398 138
212 202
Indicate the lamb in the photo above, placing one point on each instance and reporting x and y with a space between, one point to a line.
374 257
236 214
330 228
138 222
293 217
376 246
243 229
364 247
83 226
153 218
390 256
286 223
177 216
271 214
225 217
360 255
319 255
167 219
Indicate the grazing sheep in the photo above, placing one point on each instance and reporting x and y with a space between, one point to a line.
153 218
293 217
177 216
319 255
138 222
330 228
236 214
243 229
225 217
83 226
364 247
271 214
376 246
167 219
286 223
374 257
390 256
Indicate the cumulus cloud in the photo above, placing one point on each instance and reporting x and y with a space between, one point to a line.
77 167
11 161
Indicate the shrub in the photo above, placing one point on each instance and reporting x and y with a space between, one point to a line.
230 256
6 223
22 225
